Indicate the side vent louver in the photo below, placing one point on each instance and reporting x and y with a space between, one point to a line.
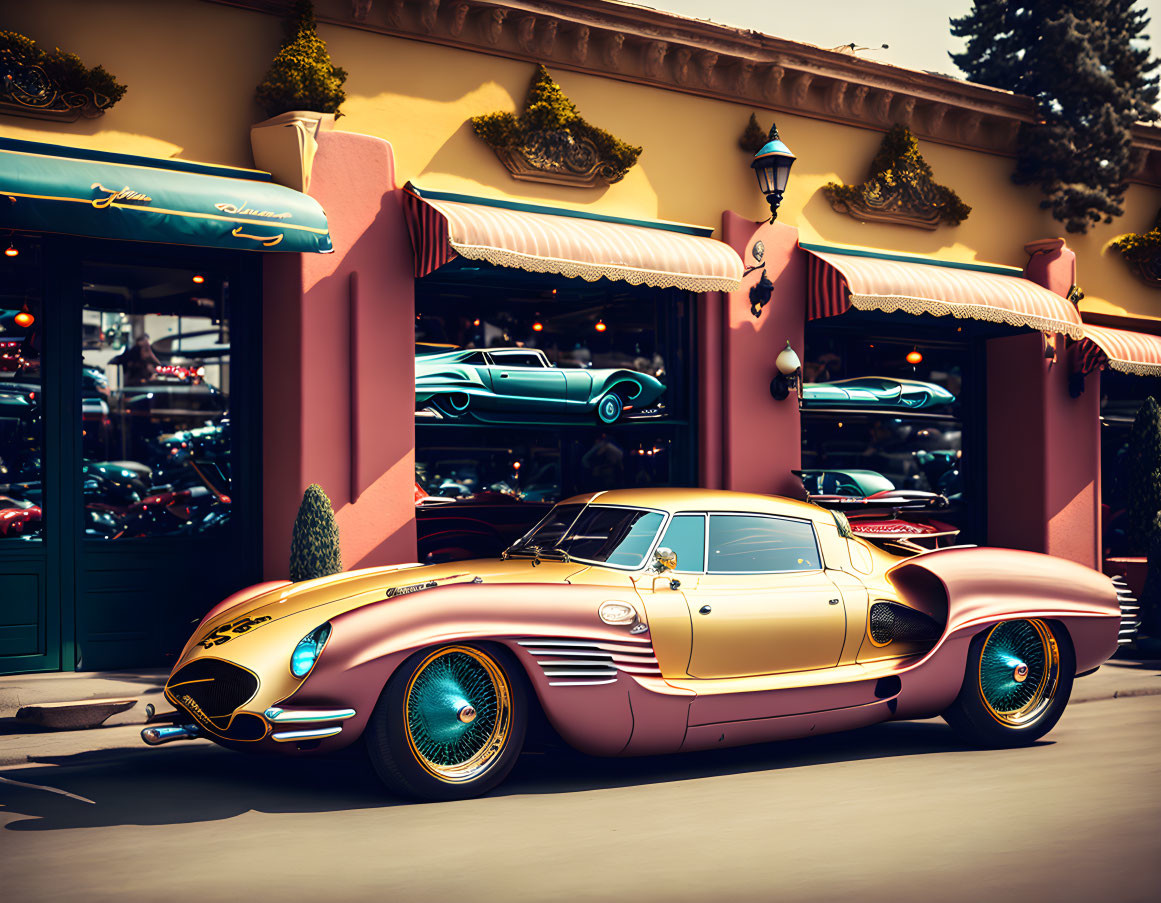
890 621
570 662
1130 611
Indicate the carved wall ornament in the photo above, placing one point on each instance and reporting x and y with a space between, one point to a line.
1142 252
774 81
900 188
550 142
655 58
54 85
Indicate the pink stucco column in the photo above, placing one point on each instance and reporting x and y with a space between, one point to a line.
338 365
1043 445
761 438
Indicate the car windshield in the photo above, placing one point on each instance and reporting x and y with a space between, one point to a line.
607 535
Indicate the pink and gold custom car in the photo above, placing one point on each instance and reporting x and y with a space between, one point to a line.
641 622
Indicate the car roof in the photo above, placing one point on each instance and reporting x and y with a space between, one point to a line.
683 499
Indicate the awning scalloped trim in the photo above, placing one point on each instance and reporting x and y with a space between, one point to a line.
591 272
1136 368
936 308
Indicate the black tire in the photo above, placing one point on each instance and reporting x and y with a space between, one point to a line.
481 756
1030 711
455 405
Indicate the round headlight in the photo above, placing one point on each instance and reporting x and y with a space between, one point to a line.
307 650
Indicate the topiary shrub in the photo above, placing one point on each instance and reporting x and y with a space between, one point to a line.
302 76
314 547
94 90
1144 473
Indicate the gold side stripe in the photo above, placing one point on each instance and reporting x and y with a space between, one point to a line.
166 210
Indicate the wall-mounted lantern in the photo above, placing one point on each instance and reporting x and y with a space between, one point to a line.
772 166
788 366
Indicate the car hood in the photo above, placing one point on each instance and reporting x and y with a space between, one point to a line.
352 589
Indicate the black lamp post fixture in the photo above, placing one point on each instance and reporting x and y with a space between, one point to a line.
772 166
786 379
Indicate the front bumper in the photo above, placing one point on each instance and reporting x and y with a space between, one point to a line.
219 697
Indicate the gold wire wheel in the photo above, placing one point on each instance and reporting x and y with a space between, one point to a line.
457 713
1019 671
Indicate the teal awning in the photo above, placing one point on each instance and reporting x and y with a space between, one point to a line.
75 191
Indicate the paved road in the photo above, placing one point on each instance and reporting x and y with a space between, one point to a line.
892 813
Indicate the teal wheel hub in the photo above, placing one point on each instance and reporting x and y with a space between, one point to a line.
1019 667
457 711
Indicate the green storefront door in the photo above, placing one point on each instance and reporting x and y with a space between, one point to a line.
129 448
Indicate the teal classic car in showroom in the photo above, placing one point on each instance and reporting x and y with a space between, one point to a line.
511 385
875 392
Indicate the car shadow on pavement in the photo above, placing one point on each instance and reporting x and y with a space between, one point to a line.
199 783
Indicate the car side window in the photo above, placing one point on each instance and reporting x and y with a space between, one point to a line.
685 535
517 359
476 358
754 543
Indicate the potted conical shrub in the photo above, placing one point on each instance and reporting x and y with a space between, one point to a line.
301 93
314 545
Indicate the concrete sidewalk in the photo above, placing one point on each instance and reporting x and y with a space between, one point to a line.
22 744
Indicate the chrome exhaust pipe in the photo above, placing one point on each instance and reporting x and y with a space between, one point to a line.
155 736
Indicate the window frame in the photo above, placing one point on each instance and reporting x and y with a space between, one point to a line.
779 517
704 539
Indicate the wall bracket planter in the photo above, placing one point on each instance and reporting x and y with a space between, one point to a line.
550 142
54 86
900 188
285 145
1142 252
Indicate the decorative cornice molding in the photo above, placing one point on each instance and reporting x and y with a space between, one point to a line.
645 46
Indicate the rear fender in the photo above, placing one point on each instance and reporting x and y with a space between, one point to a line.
971 590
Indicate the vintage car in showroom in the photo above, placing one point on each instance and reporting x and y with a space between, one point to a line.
640 622
512 385
876 392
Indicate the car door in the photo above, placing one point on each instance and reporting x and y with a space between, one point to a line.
764 604
524 381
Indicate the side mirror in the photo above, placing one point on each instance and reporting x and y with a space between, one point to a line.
664 560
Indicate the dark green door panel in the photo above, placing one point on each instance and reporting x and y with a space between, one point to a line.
22 615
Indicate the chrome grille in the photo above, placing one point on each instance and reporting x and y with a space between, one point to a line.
1130 611
568 662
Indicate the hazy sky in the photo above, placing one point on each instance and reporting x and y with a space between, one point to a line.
916 30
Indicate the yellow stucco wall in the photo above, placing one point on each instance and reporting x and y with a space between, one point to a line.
191 68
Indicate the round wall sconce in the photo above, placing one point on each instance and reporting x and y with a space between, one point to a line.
11 250
600 327
788 366
914 357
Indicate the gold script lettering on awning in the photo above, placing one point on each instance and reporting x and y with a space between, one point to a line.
118 194
244 210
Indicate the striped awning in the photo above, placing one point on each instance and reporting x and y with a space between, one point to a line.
566 242
840 281
1119 349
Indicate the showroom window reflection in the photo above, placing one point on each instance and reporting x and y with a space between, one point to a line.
155 388
21 394
885 413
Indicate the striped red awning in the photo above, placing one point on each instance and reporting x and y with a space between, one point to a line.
1119 349
838 282
547 240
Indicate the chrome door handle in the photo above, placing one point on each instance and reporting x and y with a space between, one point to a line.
704 610
503 376
834 601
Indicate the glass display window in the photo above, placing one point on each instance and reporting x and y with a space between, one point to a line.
896 412
1122 395
21 395
155 383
